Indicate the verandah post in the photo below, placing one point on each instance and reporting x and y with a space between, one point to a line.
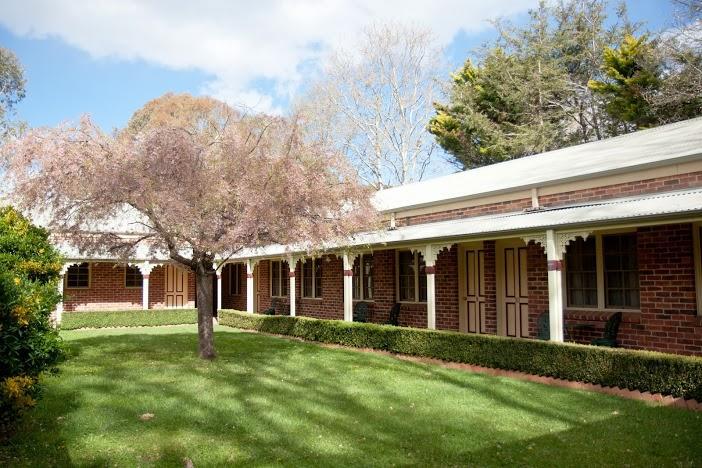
430 268
292 264
249 286
348 286
554 258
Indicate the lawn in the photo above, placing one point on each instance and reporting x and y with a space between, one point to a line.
270 401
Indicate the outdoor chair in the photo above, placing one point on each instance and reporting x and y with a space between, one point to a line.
360 312
611 331
542 327
394 315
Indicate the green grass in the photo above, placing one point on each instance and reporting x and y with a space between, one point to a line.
270 401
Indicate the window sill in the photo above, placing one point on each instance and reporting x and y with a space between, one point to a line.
364 300
311 298
78 288
132 287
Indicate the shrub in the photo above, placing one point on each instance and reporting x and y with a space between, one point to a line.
29 345
668 374
127 318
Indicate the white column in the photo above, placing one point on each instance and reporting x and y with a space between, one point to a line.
219 286
348 287
430 268
554 257
292 263
249 286
59 306
145 269
144 291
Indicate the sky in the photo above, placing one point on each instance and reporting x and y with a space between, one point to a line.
107 58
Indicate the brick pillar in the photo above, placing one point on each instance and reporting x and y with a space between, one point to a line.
490 287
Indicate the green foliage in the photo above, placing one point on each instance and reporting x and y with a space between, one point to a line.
632 74
127 318
637 370
11 86
29 345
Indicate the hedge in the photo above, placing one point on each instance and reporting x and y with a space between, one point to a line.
668 374
127 318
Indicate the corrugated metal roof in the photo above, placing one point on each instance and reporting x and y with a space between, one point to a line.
659 146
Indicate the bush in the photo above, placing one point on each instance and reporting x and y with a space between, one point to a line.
29 345
127 318
668 374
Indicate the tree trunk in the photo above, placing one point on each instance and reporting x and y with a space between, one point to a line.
204 276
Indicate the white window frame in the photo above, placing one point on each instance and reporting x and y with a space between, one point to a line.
90 277
303 291
283 277
361 277
235 279
601 292
126 268
416 255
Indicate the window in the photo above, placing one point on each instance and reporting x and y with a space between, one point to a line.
235 279
411 277
312 278
279 278
621 271
78 276
581 271
132 277
602 272
363 278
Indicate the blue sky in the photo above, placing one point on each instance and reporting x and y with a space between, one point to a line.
107 58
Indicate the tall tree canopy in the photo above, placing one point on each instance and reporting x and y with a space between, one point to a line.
203 181
11 88
374 100
570 75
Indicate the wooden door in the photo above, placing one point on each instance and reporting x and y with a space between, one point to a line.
475 290
176 286
514 291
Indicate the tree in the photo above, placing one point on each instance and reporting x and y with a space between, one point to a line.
29 344
202 180
373 103
679 52
11 88
507 105
527 92
632 72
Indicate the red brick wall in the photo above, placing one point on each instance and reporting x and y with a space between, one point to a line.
537 278
229 299
446 283
329 306
490 288
655 185
108 292
667 320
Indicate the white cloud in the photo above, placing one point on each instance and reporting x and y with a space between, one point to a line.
240 44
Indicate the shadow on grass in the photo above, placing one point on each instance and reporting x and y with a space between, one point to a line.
272 401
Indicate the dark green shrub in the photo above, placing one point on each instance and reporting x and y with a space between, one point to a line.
636 370
29 345
127 318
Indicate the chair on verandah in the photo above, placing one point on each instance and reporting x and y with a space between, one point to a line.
360 312
611 331
542 327
394 315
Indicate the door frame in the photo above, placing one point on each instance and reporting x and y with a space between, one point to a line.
186 300
462 286
500 246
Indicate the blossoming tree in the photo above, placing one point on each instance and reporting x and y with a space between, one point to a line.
201 178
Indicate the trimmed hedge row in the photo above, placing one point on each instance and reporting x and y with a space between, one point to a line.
680 376
127 318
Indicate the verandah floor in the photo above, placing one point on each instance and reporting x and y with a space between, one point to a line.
267 400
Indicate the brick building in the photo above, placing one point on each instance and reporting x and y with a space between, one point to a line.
577 234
